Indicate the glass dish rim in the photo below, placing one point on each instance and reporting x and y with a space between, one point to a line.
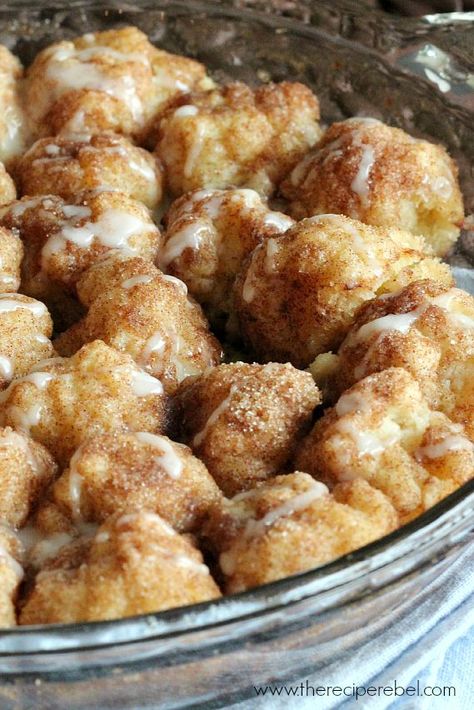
266 597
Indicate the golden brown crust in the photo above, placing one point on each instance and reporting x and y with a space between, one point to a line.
135 564
383 430
236 137
291 524
138 471
69 166
64 401
140 311
208 235
299 298
11 250
244 420
381 176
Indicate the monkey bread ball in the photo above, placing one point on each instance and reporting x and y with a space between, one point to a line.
208 235
11 255
64 401
384 431
26 469
11 575
69 166
297 294
291 524
13 129
135 564
25 331
428 329
147 315
105 81
382 176
63 240
7 187
234 136
115 473
244 421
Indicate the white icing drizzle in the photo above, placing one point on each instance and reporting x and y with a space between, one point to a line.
451 442
144 384
6 367
351 402
176 282
271 250
360 183
189 237
113 229
155 344
135 280
195 150
12 302
187 110
200 436
279 220
75 485
168 459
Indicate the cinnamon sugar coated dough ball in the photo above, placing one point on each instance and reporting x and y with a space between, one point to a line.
64 401
105 81
136 564
11 255
208 235
297 295
234 136
428 329
11 575
138 471
69 166
244 421
26 469
63 240
291 524
383 430
382 176
13 129
25 331
149 316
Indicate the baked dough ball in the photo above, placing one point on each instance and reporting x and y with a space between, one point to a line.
13 129
136 564
147 315
26 469
11 255
25 331
244 421
298 294
62 402
11 575
291 524
426 328
208 235
137 471
69 166
382 176
63 240
234 136
383 430
105 81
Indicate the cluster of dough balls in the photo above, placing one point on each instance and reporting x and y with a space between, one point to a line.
136 309
382 176
137 472
114 81
298 294
383 430
208 235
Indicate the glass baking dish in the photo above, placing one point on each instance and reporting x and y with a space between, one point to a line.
358 62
